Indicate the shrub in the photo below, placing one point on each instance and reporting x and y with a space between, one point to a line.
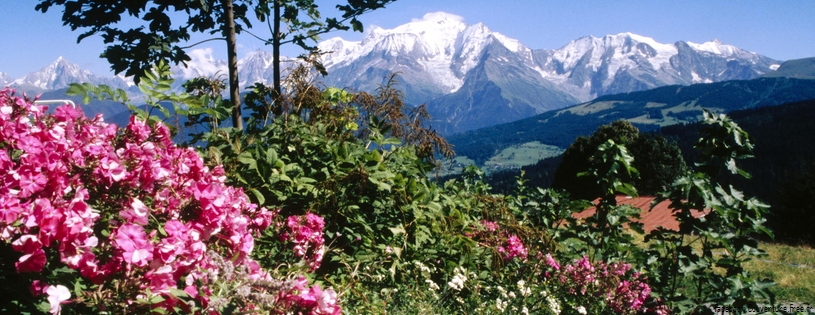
124 221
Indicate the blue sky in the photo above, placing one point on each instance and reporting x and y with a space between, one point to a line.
778 29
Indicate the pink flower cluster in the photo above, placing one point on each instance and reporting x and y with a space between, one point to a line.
311 301
609 282
306 233
509 245
65 178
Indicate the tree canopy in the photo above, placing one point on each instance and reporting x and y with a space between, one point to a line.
658 160
164 27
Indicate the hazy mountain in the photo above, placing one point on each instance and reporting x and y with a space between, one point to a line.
60 74
798 68
648 110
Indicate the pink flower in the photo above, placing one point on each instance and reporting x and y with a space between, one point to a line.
111 170
33 262
552 262
57 295
31 183
327 303
137 212
306 233
27 244
132 239
37 288
489 226
515 248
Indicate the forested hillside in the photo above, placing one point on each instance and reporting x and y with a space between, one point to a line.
647 110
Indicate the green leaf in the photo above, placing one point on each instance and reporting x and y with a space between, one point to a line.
259 196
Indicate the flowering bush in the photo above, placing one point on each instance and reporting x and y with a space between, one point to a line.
130 212
306 234
491 235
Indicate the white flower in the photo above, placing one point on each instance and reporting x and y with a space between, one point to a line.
581 310
525 310
500 305
421 266
523 289
457 283
512 294
458 279
433 286
553 304
57 295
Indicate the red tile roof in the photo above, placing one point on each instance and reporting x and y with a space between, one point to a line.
660 215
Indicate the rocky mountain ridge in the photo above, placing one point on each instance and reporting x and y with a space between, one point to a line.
472 77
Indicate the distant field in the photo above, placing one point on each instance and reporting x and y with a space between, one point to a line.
521 155
510 158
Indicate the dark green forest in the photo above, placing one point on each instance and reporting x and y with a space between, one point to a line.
781 169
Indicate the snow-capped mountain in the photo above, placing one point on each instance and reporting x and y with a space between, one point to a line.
473 77
4 79
470 76
589 66
62 73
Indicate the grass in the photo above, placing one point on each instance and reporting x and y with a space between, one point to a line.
791 267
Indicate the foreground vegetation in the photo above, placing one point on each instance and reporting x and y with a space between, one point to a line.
353 223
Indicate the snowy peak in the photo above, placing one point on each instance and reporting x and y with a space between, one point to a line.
439 49
4 79
201 64
594 66
60 74
593 51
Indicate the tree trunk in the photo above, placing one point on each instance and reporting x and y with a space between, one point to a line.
232 63
276 57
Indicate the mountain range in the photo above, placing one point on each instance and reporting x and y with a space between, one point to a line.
471 77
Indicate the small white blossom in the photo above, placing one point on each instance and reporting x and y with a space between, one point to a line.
511 294
500 305
523 289
581 310
553 304
433 286
457 283
524 310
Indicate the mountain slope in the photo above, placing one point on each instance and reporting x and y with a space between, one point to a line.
798 68
648 110
497 90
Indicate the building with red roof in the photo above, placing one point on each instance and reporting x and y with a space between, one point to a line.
660 215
